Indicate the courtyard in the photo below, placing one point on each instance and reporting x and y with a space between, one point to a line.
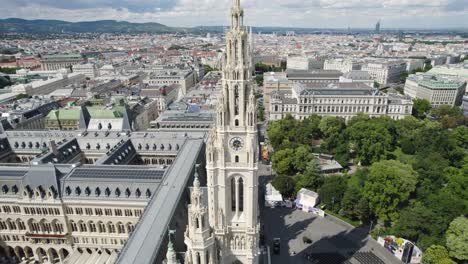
331 240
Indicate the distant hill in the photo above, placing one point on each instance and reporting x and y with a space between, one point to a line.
102 26
112 26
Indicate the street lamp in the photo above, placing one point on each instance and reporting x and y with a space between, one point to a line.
333 202
370 227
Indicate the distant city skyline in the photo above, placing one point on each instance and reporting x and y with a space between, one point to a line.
424 14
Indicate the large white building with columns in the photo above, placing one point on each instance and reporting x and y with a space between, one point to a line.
339 99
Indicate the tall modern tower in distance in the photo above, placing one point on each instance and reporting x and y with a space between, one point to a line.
377 27
232 164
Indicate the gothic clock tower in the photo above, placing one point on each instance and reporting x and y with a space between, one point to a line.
232 155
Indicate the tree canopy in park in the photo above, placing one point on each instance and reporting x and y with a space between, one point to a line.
410 176
436 255
457 238
389 184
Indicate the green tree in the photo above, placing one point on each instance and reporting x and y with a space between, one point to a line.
281 133
350 202
284 184
21 96
353 204
389 185
8 70
207 68
331 127
400 89
283 162
259 79
332 191
421 107
446 110
420 224
457 238
310 178
427 67
436 254
301 159
260 112
371 139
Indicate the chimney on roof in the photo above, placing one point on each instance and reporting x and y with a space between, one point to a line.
53 146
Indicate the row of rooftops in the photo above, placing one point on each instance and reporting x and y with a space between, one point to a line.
59 57
115 149
437 82
80 181
330 89
76 181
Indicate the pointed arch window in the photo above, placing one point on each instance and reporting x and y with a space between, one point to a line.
233 194
241 194
236 100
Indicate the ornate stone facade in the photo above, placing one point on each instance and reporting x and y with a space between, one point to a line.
231 156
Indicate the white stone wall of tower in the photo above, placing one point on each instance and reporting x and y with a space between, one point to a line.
231 155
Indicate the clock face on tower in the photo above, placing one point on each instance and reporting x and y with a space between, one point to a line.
236 143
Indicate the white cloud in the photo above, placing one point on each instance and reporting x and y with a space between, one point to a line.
300 13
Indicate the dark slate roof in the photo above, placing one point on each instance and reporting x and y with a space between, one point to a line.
121 154
12 173
116 173
84 117
43 109
5 147
66 151
338 92
45 176
315 74
343 85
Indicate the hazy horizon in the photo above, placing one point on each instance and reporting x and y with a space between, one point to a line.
325 14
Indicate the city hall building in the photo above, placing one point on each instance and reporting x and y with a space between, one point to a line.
77 196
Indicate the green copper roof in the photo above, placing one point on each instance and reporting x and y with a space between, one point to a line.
94 112
115 112
64 114
439 84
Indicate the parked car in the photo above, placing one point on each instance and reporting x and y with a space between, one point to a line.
276 245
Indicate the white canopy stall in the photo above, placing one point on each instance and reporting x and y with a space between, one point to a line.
272 196
306 200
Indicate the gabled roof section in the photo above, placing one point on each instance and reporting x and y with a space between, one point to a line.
45 176
84 118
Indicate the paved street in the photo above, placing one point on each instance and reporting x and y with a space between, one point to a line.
328 236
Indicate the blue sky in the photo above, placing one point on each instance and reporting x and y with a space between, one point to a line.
296 13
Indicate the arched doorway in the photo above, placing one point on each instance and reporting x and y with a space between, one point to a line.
3 255
11 252
41 254
28 252
63 254
52 253
20 253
